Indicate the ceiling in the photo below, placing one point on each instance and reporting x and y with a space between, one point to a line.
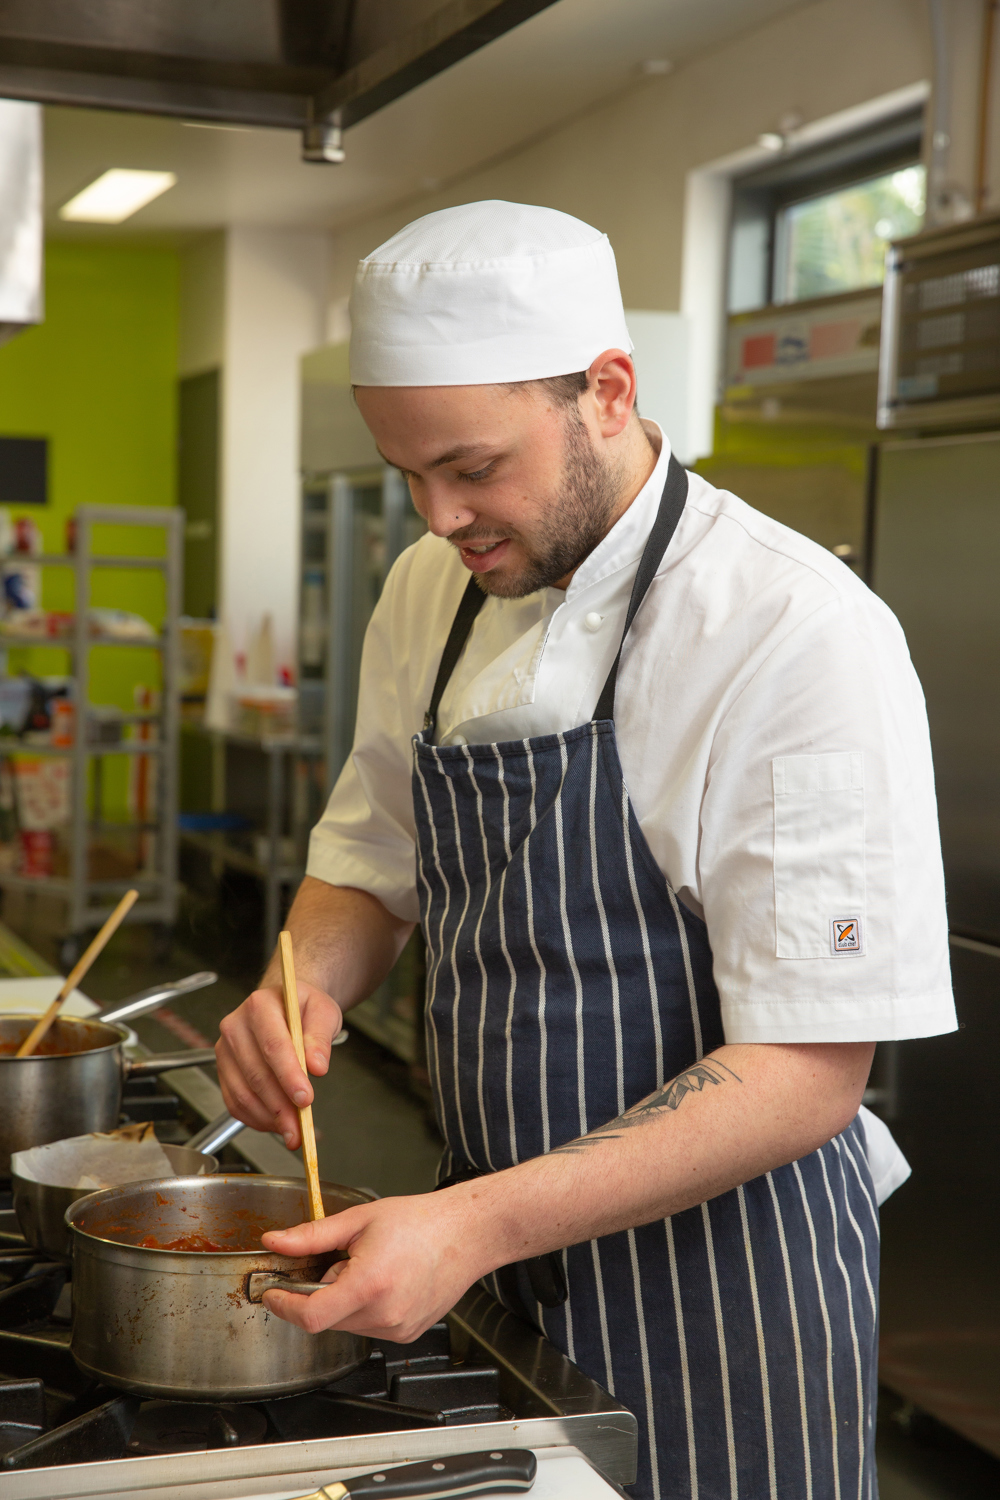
547 70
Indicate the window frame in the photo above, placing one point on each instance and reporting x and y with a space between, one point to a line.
760 198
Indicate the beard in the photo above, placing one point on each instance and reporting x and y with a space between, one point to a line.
577 518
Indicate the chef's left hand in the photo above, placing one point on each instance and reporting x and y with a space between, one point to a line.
410 1261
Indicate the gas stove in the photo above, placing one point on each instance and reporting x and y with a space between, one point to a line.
482 1379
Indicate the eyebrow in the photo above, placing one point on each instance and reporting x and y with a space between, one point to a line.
463 450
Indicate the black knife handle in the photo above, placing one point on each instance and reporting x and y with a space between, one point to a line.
451 1478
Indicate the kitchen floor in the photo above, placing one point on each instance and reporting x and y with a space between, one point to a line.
375 1132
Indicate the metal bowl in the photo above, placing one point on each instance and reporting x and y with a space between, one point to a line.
41 1208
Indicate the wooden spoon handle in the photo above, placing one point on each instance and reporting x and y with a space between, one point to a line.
294 1017
110 927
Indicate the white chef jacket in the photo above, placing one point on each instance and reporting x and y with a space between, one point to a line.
773 737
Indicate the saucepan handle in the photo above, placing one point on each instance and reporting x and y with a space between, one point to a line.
259 1282
166 1062
213 1136
152 999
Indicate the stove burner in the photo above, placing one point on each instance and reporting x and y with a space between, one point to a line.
192 1427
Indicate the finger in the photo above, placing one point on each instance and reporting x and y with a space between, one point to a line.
250 1079
258 1034
322 1020
318 1236
343 1299
240 1099
269 1032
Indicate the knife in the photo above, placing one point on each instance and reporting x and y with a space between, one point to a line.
452 1478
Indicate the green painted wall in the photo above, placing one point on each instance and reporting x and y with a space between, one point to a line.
98 378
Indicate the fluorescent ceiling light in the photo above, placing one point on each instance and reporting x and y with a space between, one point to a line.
116 195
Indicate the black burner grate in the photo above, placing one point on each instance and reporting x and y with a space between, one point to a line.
51 1414
193 1427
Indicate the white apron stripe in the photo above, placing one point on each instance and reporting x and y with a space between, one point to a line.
825 1314
675 1287
843 1150
487 882
617 1021
567 1311
654 999
727 1400
849 1294
872 1205
616 1009
581 1082
688 972
509 1026
765 1386
543 1080
602 1312
437 957
800 1369
644 1355
454 965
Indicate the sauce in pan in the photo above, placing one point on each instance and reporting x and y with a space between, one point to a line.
155 1232
183 1242
62 1040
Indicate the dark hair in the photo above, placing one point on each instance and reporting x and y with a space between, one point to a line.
563 390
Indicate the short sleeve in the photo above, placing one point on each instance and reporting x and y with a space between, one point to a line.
366 837
820 861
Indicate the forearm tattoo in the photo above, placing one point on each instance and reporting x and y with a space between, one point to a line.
691 1081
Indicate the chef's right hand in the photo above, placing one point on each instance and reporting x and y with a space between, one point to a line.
259 1074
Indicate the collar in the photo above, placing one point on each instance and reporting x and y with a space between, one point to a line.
622 547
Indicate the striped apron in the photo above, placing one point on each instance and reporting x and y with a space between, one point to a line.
565 982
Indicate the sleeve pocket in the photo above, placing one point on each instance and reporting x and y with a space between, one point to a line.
819 849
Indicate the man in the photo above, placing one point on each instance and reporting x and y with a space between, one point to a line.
664 769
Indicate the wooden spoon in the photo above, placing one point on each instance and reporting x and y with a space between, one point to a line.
110 927
294 1017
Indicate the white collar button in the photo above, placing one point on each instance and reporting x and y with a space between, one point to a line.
458 739
593 621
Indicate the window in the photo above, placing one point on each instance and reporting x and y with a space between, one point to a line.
836 242
816 223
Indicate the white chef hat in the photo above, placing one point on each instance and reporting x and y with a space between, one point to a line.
483 293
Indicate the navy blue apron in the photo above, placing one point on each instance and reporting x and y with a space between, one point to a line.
565 982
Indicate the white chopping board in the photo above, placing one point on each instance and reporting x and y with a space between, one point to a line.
34 996
562 1475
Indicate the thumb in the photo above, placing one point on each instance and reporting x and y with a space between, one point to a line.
318 1236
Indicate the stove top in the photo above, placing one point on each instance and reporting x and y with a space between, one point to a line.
483 1378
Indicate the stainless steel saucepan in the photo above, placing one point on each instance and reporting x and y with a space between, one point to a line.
188 1324
74 1083
41 1207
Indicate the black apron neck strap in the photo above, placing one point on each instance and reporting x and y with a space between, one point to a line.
671 505
472 602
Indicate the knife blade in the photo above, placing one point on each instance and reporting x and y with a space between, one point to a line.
453 1478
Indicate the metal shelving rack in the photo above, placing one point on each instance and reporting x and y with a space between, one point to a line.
355 523
275 871
89 901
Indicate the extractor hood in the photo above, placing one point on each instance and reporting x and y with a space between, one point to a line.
20 216
314 65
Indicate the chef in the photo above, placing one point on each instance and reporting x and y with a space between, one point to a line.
652 772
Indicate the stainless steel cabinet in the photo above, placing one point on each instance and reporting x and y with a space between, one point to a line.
937 565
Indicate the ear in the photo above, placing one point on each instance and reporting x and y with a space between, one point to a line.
611 391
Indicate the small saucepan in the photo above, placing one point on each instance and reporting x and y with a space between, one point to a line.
187 1323
41 1207
73 1084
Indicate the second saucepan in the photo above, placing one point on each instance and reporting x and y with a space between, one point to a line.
73 1084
